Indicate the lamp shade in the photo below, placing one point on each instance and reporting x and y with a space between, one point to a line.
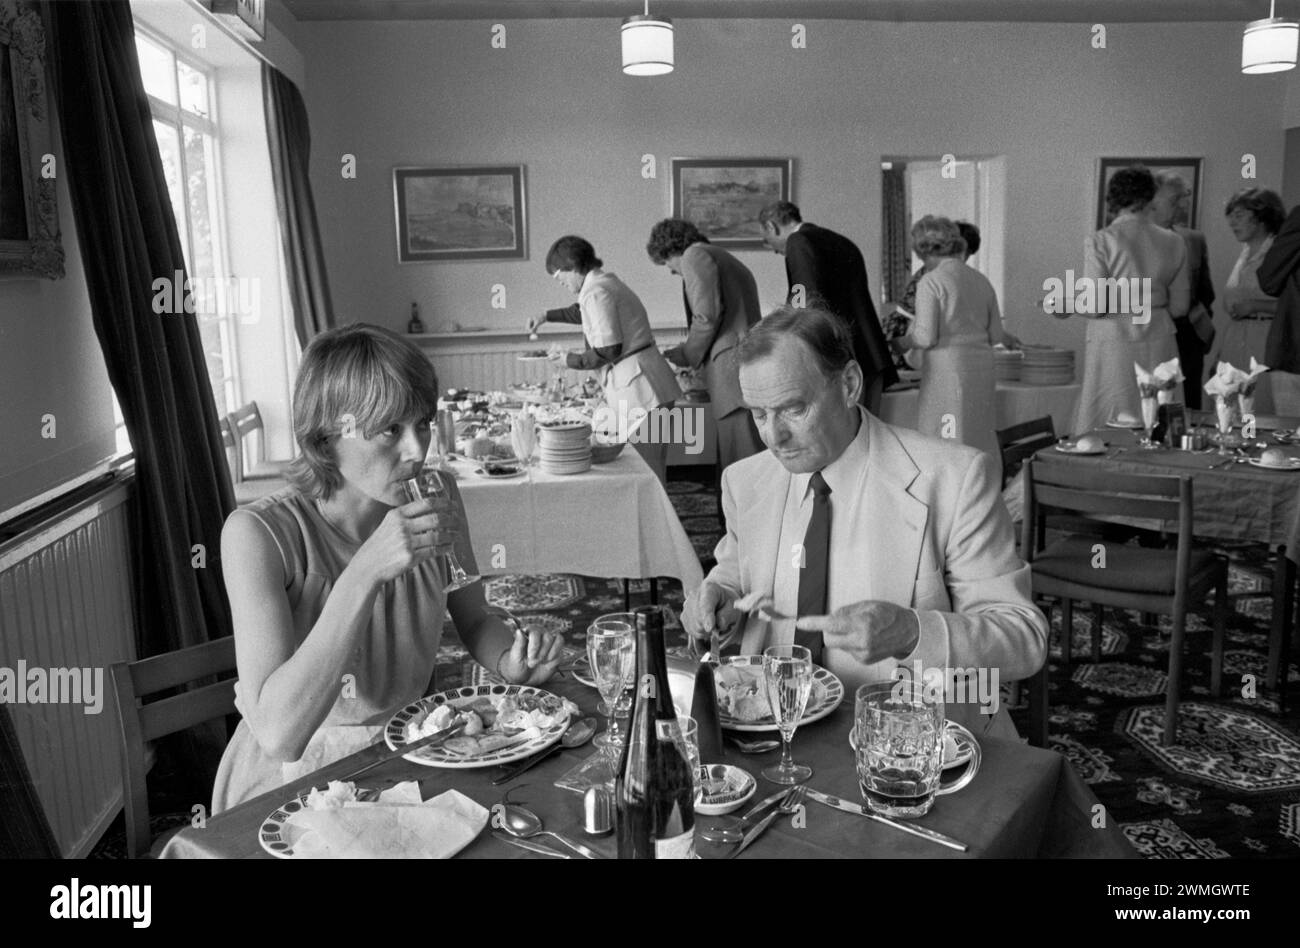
1269 45
647 45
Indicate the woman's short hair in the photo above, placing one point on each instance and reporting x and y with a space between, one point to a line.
936 237
971 234
824 333
572 253
670 238
1131 187
1264 204
355 379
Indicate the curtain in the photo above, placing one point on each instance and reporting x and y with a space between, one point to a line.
289 138
897 242
128 238
24 830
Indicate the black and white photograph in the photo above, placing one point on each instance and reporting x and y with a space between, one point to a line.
650 429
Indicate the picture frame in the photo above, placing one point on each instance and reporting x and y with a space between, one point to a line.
722 196
1188 168
31 244
476 212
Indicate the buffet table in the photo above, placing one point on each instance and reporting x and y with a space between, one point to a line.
1025 802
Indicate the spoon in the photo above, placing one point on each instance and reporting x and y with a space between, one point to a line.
577 734
523 823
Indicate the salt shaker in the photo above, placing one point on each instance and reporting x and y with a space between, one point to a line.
597 811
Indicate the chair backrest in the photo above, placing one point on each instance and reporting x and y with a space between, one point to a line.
140 723
1022 441
1088 489
234 456
245 420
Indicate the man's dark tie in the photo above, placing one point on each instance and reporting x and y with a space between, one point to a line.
816 558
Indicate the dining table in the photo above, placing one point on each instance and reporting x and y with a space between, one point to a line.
1232 499
1024 802
614 520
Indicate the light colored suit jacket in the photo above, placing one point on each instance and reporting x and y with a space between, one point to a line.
944 547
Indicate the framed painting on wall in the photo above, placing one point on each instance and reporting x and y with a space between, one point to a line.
722 196
1189 169
472 213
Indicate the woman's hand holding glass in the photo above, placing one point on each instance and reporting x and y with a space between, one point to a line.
407 536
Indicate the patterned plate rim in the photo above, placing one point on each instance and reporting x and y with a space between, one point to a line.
395 729
832 694
270 833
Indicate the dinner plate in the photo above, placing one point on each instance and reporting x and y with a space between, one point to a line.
533 358
956 750
826 695
1293 465
498 475
1134 426
278 834
442 756
1065 450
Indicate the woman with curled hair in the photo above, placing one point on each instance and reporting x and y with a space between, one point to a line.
957 324
636 379
1255 215
333 582
1132 247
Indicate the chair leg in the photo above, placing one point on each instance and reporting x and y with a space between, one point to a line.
1038 700
1067 630
1220 623
1175 673
1099 615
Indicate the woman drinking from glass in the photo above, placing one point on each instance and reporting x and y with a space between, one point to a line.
333 582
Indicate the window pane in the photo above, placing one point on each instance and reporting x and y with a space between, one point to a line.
194 89
156 70
198 186
169 147
210 331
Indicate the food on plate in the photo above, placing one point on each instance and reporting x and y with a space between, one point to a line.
742 693
332 797
534 354
1276 457
493 721
1090 443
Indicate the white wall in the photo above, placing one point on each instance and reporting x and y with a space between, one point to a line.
436 93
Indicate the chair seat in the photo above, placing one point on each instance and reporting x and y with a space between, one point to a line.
1128 568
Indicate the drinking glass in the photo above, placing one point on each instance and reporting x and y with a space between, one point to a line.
620 620
1223 415
1150 412
688 736
898 739
612 655
788 673
429 483
1246 402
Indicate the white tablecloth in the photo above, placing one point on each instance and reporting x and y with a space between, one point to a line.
614 520
1016 403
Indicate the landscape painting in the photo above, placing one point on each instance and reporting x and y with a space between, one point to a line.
723 196
473 213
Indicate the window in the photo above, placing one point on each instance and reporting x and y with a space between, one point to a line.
181 100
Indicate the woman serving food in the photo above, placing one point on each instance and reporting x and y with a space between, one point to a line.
333 582
636 378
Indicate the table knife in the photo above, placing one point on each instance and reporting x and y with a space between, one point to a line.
436 738
860 810
528 763
759 829
529 845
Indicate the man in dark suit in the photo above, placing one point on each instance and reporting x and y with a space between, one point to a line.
721 299
825 268
1195 331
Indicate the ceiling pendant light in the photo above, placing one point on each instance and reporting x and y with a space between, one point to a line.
647 44
1269 45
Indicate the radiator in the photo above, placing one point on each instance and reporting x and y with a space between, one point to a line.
65 603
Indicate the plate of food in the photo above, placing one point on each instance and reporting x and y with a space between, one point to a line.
278 833
503 723
502 470
1275 459
1088 444
742 695
535 355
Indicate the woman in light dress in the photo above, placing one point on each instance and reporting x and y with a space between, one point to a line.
637 380
333 582
1131 247
1254 215
957 324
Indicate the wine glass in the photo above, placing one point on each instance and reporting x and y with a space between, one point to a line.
611 653
1223 417
620 620
1150 412
429 484
788 670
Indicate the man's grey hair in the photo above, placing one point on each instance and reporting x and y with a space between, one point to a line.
1169 179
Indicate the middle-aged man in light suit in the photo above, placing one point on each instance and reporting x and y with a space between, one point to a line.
918 560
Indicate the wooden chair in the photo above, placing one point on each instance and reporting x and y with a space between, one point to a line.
246 421
140 723
1165 582
1021 442
246 491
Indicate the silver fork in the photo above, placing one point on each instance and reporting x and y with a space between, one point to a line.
790 805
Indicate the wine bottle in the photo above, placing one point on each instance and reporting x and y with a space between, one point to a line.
655 793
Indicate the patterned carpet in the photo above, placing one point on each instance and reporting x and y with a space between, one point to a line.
1230 787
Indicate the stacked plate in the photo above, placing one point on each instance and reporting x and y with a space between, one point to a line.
564 447
1006 364
1047 366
